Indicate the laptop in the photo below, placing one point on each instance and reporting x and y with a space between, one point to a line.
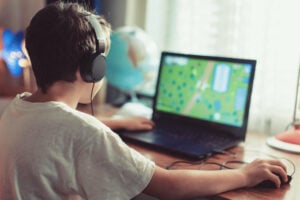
201 105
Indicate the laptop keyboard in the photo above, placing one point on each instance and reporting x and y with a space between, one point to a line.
193 135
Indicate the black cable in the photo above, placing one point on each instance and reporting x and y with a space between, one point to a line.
169 166
203 162
224 164
196 162
293 164
91 99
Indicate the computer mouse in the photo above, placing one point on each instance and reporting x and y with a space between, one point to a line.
271 184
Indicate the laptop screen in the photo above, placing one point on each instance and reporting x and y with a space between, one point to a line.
213 89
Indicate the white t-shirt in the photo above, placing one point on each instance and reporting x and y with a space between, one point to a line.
51 151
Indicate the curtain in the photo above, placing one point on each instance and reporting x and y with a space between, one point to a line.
265 30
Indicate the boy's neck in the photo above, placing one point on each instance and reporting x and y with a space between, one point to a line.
65 94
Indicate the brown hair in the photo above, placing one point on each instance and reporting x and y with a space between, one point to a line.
57 37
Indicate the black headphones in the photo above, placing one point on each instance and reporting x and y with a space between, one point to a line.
92 67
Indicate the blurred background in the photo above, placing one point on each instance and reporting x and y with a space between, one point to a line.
265 30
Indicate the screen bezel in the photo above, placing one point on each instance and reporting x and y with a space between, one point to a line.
235 130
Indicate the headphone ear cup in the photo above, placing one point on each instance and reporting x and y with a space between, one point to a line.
92 69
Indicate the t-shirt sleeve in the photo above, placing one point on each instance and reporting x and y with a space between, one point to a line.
108 169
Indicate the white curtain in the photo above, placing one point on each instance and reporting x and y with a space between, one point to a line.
265 30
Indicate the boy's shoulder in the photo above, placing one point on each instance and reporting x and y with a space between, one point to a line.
80 119
57 115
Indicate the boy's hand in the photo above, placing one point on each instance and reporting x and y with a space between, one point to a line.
260 170
136 123
128 123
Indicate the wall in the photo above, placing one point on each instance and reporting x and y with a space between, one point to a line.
125 12
16 14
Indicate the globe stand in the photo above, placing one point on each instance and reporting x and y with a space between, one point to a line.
134 108
133 96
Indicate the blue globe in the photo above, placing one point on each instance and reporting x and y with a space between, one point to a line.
132 62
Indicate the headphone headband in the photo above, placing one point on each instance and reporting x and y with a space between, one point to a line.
92 67
100 39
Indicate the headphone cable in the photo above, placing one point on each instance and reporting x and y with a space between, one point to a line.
91 98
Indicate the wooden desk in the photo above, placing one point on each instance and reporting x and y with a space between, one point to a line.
254 147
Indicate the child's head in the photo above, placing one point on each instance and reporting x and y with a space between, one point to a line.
57 39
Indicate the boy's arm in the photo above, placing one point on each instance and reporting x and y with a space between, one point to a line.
188 184
128 123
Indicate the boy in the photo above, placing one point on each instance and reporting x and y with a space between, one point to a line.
49 150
